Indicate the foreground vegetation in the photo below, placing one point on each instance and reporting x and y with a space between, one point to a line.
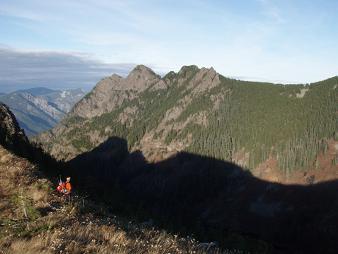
34 219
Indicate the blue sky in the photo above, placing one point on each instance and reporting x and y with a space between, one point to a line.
279 41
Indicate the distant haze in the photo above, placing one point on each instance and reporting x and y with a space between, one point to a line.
22 70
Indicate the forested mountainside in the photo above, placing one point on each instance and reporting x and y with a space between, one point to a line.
40 109
202 112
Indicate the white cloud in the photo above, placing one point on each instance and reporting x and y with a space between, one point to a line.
22 69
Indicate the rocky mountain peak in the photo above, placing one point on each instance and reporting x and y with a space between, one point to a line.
142 71
108 83
188 69
210 70
204 79
198 79
112 91
209 74
140 78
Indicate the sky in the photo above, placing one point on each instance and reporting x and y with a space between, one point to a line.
67 44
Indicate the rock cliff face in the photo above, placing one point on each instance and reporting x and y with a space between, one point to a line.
112 91
256 125
11 135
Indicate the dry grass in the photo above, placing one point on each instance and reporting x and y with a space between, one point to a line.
35 220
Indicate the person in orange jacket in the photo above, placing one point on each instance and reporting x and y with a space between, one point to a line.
68 186
64 187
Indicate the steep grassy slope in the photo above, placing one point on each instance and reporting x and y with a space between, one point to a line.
34 219
200 111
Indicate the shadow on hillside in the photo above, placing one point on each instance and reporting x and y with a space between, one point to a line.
212 199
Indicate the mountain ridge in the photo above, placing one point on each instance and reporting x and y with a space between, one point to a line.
39 109
200 111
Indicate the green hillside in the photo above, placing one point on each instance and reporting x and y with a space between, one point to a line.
231 119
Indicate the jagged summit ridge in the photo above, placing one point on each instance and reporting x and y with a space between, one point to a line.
112 91
199 110
140 78
143 71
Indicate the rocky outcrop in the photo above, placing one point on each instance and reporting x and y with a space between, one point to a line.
112 91
11 135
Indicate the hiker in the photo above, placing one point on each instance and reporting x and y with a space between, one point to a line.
64 187
68 186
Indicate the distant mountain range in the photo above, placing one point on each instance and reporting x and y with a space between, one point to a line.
272 129
39 109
